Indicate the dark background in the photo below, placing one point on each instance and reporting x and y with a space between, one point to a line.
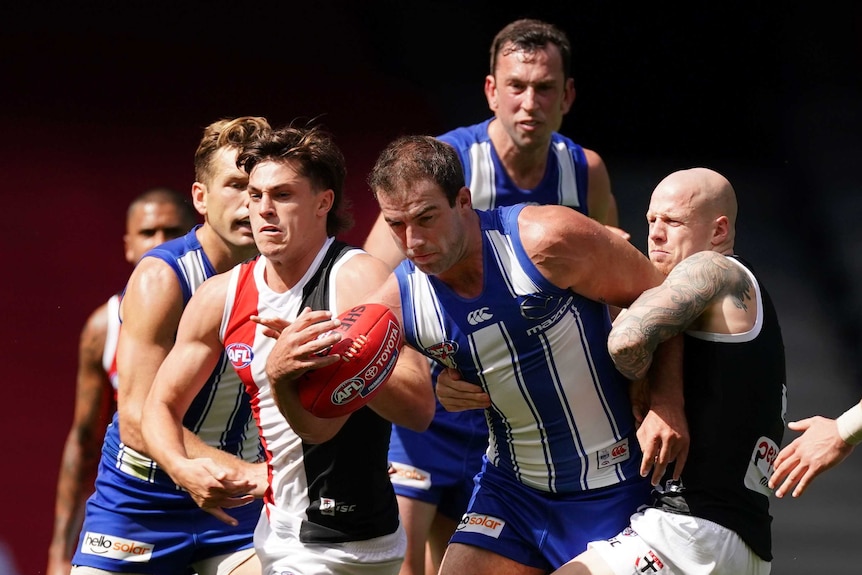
100 101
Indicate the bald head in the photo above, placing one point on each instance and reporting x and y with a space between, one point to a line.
691 211
709 192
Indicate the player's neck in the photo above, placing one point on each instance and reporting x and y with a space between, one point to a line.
525 166
221 254
286 268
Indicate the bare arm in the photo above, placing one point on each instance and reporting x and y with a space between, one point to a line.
408 397
151 311
693 288
216 482
94 404
575 252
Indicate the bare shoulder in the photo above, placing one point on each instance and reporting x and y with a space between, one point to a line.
365 265
594 161
712 273
552 228
213 290
150 277
359 278
152 294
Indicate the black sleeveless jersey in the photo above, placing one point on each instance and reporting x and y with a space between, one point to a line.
734 387
352 466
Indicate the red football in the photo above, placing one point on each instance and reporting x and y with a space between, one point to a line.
370 344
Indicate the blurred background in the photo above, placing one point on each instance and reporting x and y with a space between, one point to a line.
99 102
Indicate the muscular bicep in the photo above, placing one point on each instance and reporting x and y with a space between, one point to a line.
151 310
577 253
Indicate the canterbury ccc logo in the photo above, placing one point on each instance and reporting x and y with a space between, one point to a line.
478 316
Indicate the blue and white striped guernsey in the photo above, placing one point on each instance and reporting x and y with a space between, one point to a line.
565 181
220 413
560 419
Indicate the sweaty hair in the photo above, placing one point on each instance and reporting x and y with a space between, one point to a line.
313 153
530 35
161 195
226 133
412 159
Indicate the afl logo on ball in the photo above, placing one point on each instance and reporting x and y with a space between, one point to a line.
239 355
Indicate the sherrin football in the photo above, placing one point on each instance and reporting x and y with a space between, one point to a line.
369 347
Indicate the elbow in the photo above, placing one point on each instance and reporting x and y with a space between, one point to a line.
421 418
628 356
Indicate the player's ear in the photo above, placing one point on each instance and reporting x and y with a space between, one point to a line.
491 92
325 200
720 231
568 95
199 197
464 198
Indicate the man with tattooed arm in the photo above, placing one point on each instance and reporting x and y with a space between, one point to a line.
715 518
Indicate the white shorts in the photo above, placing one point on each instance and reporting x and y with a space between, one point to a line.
277 544
663 543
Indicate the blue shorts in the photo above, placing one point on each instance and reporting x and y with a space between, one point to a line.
438 465
134 526
545 530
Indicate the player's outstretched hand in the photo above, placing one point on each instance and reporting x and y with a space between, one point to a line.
819 448
663 437
456 394
213 487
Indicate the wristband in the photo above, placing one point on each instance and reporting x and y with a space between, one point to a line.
850 425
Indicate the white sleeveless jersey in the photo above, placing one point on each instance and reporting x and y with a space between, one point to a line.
560 418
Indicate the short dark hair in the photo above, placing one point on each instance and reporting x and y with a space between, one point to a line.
316 157
530 35
163 195
411 159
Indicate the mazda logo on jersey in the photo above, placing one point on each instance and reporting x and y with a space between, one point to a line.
539 306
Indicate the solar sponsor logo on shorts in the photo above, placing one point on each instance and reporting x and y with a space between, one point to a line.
484 524
116 547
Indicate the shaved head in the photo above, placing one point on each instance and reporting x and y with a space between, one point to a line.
690 211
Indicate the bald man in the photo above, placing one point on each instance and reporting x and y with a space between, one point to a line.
715 518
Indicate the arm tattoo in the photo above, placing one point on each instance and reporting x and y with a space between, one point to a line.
667 310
